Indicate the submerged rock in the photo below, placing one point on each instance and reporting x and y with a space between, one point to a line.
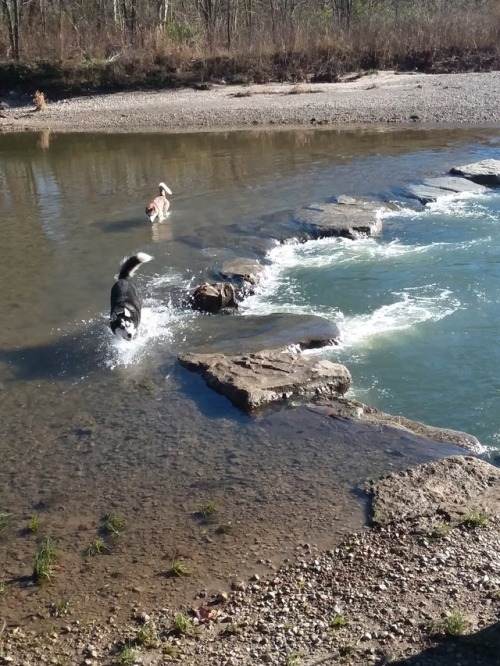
486 172
253 381
347 219
353 409
252 333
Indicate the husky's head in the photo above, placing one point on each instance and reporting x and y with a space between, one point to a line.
122 324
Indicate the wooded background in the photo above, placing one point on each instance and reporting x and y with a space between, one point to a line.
352 33
105 28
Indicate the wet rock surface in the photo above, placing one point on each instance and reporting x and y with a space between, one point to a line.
214 297
245 272
348 220
252 333
454 184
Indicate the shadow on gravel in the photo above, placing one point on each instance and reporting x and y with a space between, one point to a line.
479 649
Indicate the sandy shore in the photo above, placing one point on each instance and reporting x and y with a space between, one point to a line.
383 97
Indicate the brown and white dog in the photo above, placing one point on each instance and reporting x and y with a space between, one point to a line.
158 208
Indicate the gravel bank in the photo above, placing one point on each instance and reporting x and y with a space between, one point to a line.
384 97
423 589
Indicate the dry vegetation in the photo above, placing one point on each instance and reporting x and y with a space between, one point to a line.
64 46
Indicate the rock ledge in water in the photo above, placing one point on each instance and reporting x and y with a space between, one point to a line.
432 189
253 381
486 172
341 219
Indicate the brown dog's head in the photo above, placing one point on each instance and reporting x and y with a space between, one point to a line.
152 211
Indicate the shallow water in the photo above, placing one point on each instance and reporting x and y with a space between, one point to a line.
91 425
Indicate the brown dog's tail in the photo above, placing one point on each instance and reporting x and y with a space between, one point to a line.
129 265
164 189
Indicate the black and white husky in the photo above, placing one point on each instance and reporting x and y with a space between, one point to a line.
126 302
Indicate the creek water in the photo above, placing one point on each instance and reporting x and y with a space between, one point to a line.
91 425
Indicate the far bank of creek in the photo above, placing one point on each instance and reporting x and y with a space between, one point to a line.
91 428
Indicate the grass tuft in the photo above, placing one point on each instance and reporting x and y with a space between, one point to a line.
114 525
126 656
33 524
439 531
207 510
61 608
224 528
5 520
455 624
45 559
96 547
182 624
231 630
339 621
169 650
473 519
294 659
178 569
147 635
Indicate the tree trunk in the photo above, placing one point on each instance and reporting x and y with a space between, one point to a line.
11 11
163 13
228 25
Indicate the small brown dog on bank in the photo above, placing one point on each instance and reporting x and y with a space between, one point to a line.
158 208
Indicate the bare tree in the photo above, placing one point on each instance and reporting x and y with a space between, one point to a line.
12 13
209 10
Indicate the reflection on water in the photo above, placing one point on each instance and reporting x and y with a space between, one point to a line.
88 427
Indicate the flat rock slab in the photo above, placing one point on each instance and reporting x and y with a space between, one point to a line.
486 172
337 219
425 193
450 488
433 189
241 334
253 381
455 184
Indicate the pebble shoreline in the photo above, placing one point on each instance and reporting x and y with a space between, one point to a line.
379 98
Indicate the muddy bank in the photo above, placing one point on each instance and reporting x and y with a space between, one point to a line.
383 97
